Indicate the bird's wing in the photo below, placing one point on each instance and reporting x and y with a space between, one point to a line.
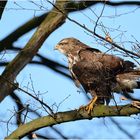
95 67
110 62
76 81
119 72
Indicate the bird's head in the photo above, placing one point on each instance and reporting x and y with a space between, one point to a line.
67 45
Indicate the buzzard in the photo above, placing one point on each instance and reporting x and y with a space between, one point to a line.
100 74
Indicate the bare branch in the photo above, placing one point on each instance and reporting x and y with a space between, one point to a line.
7 42
61 117
81 5
53 20
122 129
97 35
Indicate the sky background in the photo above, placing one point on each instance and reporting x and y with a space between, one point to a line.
54 87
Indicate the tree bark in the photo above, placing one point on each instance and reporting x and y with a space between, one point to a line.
74 115
52 21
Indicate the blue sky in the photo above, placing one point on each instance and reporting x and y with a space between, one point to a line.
56 87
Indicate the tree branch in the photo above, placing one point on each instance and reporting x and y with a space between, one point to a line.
31 24
61 117
7 42
73 6
53 20
2 6
123 3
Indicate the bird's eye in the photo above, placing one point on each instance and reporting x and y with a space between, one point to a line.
63 43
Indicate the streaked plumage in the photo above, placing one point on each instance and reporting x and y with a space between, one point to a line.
99 73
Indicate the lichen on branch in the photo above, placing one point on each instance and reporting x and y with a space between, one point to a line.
74 115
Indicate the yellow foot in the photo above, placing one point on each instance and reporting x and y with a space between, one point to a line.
89 108
136 104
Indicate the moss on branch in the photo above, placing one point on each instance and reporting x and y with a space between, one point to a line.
74 115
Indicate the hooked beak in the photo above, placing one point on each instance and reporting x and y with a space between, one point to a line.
56 47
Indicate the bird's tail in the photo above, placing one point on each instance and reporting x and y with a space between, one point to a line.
129 80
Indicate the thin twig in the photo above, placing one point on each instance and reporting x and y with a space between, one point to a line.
36 98
94 33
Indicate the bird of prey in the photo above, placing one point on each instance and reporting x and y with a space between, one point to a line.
100 74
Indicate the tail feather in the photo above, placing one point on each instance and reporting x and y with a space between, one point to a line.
128 81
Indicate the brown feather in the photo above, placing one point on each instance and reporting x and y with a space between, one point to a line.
99 73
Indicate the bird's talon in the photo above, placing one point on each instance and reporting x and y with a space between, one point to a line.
89 108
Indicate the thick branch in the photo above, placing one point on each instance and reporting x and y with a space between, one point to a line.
73 6
61 117
53 20
122 3
2 6
31 24
70 7
7 42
